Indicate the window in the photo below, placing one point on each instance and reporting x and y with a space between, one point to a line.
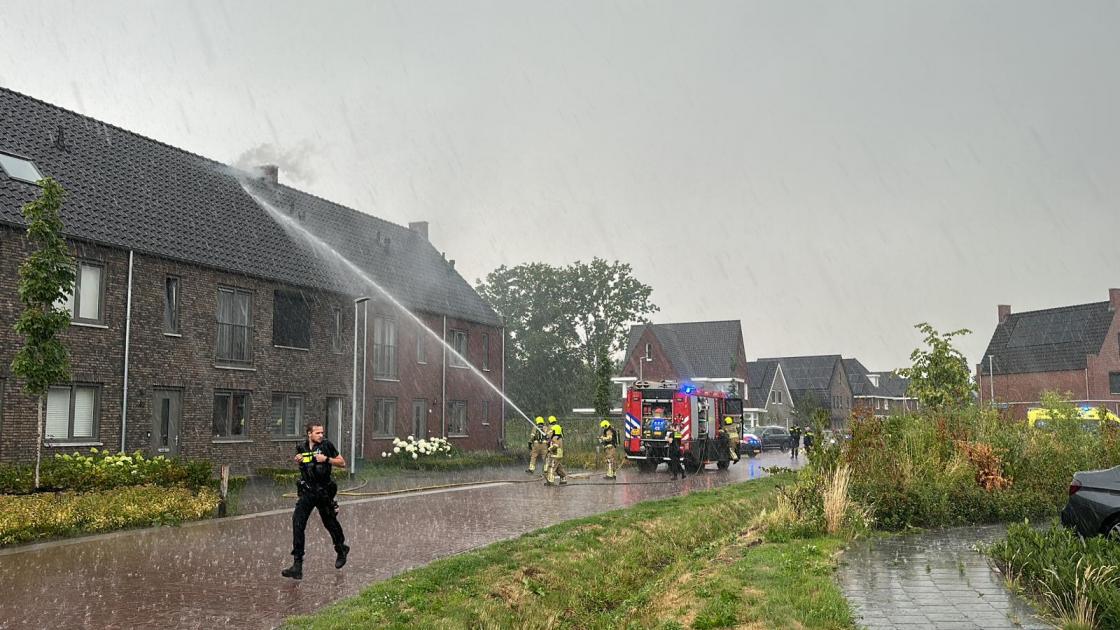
336 330
486 413
287 415
1114 382
776 396
886 404
384 417
485 351
19 168
84 302
457 417
291 320
231 414
458 344
332 426
649 352
421 347
384 348
420 418
71 412
171 305
235 325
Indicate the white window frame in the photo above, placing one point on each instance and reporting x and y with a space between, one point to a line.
71 389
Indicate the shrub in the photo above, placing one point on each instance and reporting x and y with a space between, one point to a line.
47 515
1075 579
104 470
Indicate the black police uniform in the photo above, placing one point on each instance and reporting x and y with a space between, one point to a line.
675 453
317 491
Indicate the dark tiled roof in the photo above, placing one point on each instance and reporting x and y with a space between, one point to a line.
696 349
892 385
857 378
1050 340
807 373
128 191
760 378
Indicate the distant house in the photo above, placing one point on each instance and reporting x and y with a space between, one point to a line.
710 354
1074 350
204 325
770 401
818 381
882 393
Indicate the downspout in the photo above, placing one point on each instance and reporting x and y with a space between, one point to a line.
127 332
443 396
502 439
1087 396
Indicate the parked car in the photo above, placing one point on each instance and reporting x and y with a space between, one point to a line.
750 445
1094 503
773 437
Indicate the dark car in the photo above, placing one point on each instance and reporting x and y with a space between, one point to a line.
1094 503
750 445
773 438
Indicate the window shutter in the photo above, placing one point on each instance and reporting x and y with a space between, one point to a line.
85 402
58 413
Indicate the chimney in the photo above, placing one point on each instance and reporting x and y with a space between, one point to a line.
420 227
1004 312
270 173
1114 299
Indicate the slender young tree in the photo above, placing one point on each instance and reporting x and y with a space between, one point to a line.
939 376
45 277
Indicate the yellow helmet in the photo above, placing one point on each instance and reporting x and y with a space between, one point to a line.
552 419
540 420
557 430
727 420
605 423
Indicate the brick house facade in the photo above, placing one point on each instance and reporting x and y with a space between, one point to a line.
184 226
709 353
1073 350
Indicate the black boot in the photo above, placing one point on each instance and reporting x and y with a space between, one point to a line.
340 561
295 571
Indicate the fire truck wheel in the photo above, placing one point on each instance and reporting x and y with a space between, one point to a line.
723 464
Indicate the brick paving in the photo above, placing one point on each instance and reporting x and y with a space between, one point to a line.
934 580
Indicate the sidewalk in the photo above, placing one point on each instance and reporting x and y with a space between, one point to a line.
934 580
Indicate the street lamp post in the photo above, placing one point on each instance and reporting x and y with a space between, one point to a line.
640 362
354 397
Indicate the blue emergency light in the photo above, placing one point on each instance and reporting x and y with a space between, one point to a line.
688 389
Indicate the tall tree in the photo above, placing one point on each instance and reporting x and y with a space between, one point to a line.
46 276
939 376
603 368
558 320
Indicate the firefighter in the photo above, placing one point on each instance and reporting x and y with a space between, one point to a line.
316 491
732 438
553 425
609 440
556 458
538 447
676 435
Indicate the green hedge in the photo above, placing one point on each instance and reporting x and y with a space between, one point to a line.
103 470
48 515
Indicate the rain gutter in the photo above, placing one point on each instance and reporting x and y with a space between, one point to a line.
127 333
443 396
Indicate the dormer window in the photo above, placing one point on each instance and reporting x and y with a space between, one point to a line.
19 168
874 378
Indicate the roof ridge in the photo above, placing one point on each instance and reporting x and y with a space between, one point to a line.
1059 308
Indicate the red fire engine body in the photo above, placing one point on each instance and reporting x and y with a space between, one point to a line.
700 413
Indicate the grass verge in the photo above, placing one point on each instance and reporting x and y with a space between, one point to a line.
689 561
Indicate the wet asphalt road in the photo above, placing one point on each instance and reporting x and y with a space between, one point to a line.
227 572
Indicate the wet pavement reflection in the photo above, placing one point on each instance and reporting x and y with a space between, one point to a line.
227 571
933 580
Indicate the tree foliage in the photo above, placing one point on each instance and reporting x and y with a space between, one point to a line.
46 277
558 321
939 376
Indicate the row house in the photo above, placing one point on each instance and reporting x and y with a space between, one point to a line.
214 312
1073 350
878 393
709 354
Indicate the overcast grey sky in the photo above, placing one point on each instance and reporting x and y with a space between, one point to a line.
830 173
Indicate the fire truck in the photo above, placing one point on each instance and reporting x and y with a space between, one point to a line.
699 411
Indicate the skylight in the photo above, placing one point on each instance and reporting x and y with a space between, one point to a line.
20 168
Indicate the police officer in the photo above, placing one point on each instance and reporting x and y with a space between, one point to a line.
609 441
732 438
316 457
794 441
538 447
676 435
556 458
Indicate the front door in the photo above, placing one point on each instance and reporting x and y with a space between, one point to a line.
167 413
420 419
